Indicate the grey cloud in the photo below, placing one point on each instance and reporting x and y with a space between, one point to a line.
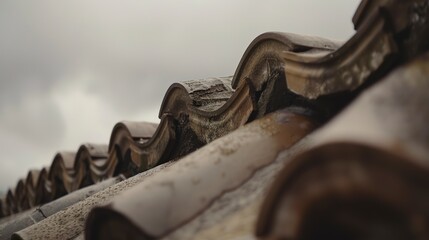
36 119
149 44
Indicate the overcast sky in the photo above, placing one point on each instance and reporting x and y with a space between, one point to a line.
70 70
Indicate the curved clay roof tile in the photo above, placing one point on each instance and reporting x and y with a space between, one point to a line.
376 173
206 174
